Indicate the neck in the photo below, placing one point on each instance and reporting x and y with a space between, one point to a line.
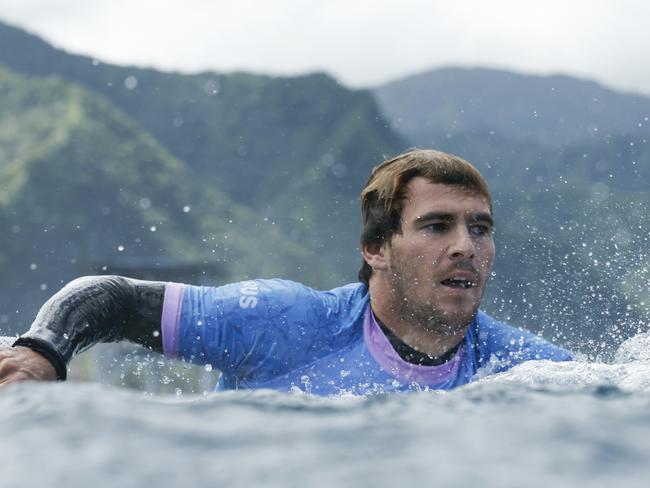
433 339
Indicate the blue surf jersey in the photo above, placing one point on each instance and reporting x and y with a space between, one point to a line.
282 335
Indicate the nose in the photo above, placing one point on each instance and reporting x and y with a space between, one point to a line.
461 245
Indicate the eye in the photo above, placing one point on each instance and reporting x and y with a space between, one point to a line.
480 229
437 226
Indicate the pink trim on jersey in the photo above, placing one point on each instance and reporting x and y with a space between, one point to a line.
171 317
391 362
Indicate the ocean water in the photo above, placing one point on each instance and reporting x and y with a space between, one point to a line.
538 425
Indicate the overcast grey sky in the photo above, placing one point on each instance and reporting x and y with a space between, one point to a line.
361 42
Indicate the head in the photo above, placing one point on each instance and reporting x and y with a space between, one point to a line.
426 221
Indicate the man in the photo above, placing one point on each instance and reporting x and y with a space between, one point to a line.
413 322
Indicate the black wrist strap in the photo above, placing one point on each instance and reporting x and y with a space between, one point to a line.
46 349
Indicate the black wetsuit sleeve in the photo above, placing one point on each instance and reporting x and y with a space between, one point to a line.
97 309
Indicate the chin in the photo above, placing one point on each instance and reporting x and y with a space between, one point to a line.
460 320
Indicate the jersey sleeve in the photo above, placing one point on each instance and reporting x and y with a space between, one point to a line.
256 329
502 346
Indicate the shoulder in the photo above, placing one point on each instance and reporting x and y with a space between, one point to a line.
270 298
502 343
288 290
342 303
278 286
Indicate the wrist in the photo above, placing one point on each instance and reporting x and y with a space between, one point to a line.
48 351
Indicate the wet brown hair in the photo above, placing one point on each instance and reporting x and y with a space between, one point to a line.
382 199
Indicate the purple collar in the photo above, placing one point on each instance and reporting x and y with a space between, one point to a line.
392 363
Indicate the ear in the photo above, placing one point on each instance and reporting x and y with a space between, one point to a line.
376 255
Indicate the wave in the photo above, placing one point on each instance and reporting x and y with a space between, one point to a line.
539 424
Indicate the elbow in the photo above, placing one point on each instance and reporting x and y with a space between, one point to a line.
109 285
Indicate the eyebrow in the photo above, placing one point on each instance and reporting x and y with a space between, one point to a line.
449 217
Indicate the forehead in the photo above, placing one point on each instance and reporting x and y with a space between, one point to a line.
423 197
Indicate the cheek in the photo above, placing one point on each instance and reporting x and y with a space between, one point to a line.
487 253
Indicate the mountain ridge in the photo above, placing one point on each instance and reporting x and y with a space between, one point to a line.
283 160
104 189
549 110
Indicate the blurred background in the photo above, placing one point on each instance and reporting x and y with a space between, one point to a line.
206 142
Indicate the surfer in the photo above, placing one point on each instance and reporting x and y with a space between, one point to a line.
411 322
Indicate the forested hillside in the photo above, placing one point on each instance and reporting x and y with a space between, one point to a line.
225 176
270 167
83 187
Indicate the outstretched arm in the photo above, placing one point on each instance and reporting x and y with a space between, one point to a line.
85 312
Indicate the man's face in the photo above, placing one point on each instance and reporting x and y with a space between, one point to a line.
439 265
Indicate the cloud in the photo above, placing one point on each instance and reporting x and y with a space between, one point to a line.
362 42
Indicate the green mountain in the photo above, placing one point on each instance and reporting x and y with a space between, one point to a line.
94 156
552 111
253 137
82 186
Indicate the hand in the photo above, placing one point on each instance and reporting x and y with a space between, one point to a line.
23 364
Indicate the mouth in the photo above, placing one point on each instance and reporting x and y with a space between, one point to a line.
459 282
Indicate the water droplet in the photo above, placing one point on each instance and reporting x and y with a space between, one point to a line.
130 82
339 170
599 192
211 87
